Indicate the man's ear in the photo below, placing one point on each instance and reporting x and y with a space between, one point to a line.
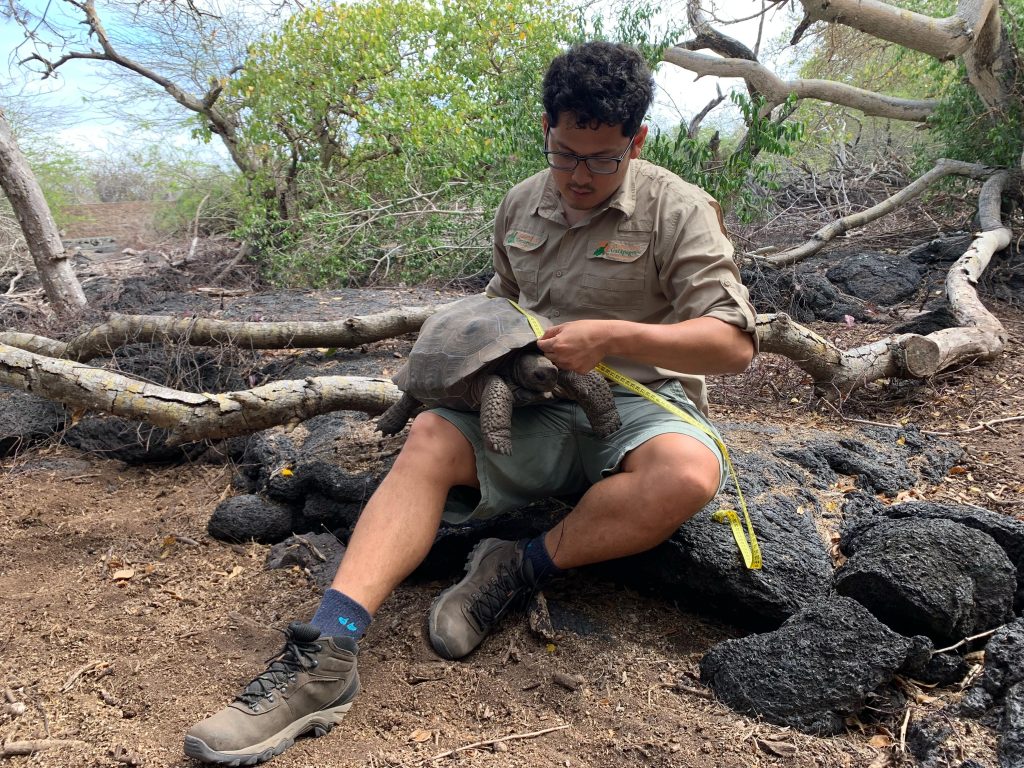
544 122
638 142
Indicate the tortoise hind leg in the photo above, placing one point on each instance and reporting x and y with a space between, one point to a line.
496 416
594 395
395 417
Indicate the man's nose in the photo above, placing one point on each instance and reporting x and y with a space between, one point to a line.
581 173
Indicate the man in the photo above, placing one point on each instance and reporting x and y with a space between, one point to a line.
635 266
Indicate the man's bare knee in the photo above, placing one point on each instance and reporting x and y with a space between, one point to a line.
436 445
680 475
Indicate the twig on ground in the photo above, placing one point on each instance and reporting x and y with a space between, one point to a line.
243 251
903 729
312 548
492 742
14 282
966 640
93 666
691 690
859 421
982 425
20 748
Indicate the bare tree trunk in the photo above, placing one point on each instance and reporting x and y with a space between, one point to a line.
19 184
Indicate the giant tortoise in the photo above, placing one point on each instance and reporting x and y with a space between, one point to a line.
481 354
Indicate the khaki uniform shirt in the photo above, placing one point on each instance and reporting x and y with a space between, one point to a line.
654 252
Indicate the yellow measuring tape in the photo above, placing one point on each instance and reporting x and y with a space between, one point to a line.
751 551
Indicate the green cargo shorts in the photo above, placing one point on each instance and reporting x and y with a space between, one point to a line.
555 453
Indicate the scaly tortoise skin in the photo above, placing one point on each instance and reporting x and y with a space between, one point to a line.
481 354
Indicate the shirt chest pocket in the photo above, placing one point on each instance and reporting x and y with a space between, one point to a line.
524 252
615 273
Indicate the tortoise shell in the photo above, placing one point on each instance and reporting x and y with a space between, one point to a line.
459 346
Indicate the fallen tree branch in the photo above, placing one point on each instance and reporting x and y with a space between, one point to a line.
829 232
829 366
191 416
125 329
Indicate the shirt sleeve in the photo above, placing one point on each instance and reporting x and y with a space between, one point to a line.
503 285
697 272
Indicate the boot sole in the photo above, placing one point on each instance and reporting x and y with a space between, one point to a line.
319 724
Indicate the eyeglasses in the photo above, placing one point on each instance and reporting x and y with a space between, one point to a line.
567 161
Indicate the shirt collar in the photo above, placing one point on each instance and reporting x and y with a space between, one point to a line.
548 203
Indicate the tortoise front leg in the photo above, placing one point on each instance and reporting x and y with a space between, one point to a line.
496 416
395 417
594 394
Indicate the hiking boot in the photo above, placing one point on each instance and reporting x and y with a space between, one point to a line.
498 578
307 687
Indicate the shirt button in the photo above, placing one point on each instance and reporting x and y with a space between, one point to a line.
558 273
557 313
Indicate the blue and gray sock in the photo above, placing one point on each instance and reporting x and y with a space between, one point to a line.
341 616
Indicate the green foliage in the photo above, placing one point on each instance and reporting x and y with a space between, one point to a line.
638 23
740 180
352 108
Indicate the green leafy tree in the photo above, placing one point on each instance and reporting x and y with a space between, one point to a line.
356 108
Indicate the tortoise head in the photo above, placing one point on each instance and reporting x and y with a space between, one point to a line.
533 371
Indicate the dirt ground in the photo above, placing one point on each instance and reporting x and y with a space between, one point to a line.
124 622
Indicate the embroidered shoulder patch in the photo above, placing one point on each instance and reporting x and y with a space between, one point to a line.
619 250
527 241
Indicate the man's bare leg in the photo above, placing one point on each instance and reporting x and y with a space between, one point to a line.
397 528
663 483
311 684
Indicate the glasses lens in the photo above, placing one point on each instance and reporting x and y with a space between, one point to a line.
602 165
561 162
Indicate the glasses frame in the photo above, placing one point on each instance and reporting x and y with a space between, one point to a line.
585 158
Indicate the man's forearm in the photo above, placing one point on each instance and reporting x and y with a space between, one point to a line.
704 345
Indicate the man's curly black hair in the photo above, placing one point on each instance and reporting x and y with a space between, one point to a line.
601 83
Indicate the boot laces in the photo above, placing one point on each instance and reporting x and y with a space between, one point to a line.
503 590
293 658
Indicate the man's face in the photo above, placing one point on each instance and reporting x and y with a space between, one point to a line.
580 188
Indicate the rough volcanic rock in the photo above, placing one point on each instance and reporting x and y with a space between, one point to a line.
812 672
932 577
